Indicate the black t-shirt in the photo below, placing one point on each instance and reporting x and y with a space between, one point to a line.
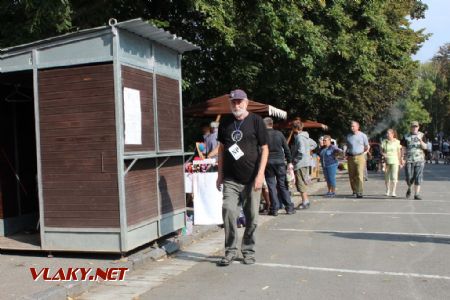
435 146
254 135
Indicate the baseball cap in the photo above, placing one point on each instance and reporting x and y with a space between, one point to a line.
414 123
237 95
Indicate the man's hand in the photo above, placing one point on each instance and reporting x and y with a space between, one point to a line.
219 182
259 180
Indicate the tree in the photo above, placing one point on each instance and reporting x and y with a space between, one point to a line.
412 108
330 60
439 104
23 21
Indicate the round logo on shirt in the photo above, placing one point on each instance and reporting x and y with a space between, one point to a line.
237 135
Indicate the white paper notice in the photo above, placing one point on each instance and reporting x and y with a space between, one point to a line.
132 112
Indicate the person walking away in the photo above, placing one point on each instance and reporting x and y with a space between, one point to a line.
435 147
392 154
413 154
212 145
301 159
429 153
329 164
243 154
445 150
357 147
276 170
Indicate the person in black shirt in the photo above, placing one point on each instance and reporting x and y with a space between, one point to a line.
276 170
243 153
435 147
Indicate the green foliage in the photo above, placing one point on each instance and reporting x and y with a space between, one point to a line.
27 20
330 60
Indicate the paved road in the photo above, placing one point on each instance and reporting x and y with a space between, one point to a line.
341 248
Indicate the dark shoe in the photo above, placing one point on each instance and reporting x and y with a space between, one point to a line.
249 260
359 196
408 193
226 260
417 197
290 212
354 194
273 213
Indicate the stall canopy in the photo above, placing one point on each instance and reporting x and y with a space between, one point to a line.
306 124
220 105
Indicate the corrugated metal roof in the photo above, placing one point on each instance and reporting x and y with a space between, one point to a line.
139 27
136 26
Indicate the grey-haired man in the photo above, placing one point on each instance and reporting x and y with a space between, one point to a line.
243 153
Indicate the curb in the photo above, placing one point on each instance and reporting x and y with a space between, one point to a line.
138 260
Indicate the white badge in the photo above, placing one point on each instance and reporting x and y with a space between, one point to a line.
236 151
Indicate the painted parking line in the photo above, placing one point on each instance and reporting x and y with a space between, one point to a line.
360 272
371 201
428 235
338 212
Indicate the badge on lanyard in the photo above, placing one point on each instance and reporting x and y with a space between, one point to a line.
236 151
236 136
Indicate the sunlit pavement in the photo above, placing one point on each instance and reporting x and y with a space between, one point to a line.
341 248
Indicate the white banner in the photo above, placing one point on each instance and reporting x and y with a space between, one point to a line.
207 199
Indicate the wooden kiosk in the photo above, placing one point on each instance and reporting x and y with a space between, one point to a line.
91 139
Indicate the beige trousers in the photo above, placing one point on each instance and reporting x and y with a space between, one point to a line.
356 166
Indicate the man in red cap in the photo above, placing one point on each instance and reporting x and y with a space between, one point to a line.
243 153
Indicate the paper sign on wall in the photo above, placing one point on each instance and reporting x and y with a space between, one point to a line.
132 112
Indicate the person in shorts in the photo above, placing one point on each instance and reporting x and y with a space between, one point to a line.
414 155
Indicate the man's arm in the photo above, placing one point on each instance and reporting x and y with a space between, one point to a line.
296 152
262 166
214 152
312 144
286 150
219 181
366 144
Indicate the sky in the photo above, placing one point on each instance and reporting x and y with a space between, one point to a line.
437 22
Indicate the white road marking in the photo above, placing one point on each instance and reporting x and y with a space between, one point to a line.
338 212
350 199
363 272
430 235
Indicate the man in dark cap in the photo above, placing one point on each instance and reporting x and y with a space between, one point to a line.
243 154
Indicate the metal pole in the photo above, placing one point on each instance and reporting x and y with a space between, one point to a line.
41 222
119 136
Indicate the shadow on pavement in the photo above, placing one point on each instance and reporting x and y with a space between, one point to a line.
197 257
389 237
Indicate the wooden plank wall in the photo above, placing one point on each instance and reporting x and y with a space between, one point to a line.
171 185
169 122
141 192
143 82
78 147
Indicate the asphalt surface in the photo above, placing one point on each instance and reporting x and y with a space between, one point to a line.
341 248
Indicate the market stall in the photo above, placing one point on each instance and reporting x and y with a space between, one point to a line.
221 105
